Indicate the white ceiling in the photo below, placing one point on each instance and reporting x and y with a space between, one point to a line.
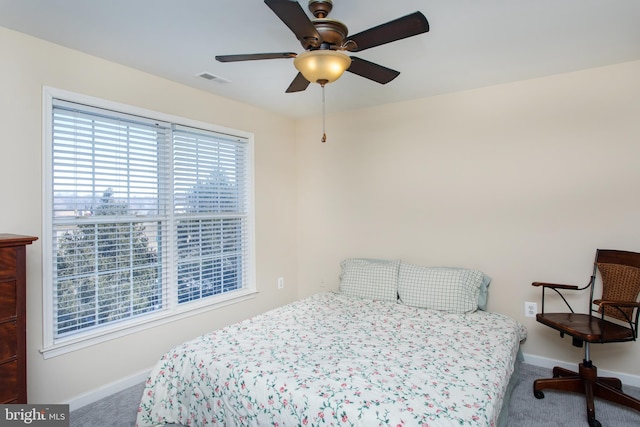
471 44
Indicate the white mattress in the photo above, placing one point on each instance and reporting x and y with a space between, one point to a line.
335 360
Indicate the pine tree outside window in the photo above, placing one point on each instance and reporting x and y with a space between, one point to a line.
147 218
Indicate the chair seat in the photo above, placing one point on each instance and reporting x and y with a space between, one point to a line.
585 327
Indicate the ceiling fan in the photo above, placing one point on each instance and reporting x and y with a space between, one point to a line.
324 39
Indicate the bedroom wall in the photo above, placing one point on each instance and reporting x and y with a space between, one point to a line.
522 181
26 64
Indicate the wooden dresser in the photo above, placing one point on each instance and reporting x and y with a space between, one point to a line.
13 318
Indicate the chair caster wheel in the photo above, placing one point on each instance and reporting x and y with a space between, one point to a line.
539 395
594 423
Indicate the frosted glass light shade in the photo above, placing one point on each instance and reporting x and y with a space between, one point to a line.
318 66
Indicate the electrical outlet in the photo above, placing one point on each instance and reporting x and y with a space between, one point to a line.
530 309
280 282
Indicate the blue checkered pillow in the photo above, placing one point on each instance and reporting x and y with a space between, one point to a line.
455 290
370 279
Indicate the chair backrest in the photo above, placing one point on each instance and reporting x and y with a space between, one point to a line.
620 274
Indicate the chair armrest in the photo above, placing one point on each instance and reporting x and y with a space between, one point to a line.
555 285
616 303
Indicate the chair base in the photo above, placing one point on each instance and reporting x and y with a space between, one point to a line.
587 382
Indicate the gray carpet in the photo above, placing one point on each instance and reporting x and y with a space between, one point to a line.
557 409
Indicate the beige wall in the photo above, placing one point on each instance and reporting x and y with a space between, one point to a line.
26 64
523 181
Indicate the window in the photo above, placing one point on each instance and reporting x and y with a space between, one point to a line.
145 217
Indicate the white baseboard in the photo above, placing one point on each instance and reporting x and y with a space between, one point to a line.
107 390
627 379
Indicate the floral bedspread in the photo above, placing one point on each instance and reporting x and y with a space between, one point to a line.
334 360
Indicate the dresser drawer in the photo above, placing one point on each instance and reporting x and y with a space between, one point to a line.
13 283
8 381
7 299
8 340
7 263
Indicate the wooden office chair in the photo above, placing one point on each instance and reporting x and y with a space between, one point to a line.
613 318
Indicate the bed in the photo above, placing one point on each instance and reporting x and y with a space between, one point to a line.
360 356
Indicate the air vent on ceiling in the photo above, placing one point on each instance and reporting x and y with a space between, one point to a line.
213 77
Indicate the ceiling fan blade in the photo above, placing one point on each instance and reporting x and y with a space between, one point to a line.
372 71
298 84
407 26
294 17
255 56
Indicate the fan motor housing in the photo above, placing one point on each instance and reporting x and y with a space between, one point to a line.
331 31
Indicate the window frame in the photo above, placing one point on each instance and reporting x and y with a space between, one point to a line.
171 310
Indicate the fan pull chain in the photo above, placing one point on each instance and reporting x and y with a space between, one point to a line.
324 135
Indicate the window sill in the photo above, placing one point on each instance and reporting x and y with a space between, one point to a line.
79 342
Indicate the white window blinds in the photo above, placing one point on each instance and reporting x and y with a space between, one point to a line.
144 214
210 207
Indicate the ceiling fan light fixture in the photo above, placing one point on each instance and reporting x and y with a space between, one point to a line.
324 66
